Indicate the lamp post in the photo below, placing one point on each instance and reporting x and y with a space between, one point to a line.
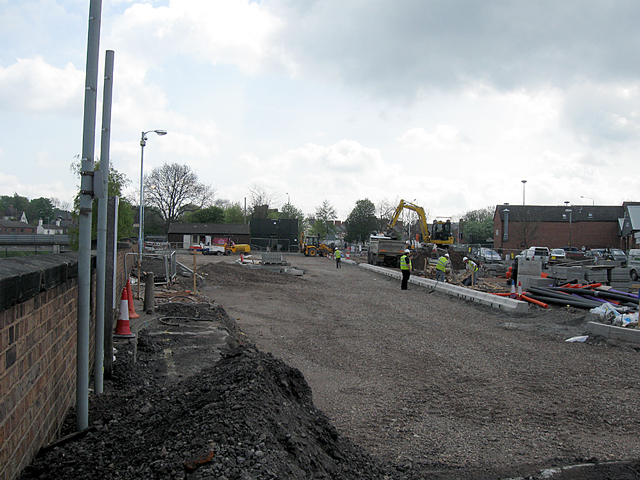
570 212
524 182
143 142
288 199
593 202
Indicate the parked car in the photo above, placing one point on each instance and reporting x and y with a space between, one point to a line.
574 253
558 254
633 260
609 254
489 256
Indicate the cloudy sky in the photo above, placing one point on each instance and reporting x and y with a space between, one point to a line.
450 104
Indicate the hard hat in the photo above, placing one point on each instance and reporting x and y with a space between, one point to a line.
407 251
446 255
465 259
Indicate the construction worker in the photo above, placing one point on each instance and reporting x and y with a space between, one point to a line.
338 255
471 267
441 267
405 268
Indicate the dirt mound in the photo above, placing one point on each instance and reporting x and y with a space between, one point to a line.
250 416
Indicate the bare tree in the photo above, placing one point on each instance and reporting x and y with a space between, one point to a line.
259 201
385 210
173 189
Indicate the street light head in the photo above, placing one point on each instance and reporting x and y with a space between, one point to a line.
161 132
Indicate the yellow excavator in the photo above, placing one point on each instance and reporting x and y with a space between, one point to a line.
440 231
311 246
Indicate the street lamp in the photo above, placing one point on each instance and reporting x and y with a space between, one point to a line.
143 142
288 199
523 184
593 202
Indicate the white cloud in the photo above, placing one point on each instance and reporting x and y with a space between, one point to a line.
214 31
443 137
31 84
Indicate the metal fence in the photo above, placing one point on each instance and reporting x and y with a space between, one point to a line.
14 239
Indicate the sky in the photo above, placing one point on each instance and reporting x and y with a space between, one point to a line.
448 104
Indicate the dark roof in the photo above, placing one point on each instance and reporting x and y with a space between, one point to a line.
558 213
15 224
210 228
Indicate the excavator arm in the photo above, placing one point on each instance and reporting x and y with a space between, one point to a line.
421 216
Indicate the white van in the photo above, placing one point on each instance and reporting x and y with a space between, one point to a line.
633 262
538 252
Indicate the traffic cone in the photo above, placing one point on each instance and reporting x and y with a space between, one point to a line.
132 310
123 328
241 258
519 289
513 290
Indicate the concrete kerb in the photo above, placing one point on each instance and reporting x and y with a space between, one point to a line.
503 303
614 333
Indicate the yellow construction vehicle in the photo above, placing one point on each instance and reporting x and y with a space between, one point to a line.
311 246
440 232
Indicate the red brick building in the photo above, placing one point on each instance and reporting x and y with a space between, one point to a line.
516 227
12 227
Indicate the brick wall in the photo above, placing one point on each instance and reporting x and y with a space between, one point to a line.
38 339
557 235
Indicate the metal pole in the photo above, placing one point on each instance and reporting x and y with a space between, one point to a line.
86 198
98 371
141 211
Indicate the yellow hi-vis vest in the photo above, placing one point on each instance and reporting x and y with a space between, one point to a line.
405 263
442 263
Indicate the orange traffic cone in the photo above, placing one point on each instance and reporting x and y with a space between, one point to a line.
123 329
132 310
519 289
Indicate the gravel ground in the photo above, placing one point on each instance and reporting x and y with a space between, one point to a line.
339 374
428 381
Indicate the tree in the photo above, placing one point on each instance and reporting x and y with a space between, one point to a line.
234 213
173 189
478 225
115 186
15 204
288 211
42 208
259 201
325 213
361 222
212 214
385 210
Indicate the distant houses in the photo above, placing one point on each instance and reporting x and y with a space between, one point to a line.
13 227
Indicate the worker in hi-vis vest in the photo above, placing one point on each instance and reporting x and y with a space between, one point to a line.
338 255
473 268
441 267
405 268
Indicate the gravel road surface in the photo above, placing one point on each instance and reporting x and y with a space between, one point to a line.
429 381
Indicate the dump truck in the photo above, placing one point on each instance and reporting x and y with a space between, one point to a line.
384 250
